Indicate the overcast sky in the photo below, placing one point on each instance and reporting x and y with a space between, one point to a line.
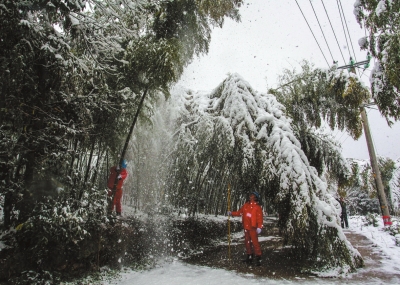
273 35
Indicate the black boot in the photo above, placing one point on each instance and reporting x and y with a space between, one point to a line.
258 260
249 259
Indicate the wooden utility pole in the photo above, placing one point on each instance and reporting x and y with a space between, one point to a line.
375 169
371 150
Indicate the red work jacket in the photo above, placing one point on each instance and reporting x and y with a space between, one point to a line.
252 216
113 174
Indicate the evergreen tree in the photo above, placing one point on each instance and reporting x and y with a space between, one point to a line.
382 21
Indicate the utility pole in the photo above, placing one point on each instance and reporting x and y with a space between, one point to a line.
371 150
375 169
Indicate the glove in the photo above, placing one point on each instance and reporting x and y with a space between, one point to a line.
229 213
119 177
258 230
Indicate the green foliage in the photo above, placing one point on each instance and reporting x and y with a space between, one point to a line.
371 219
387 168
382 21
323 153
65 252
72 79
394 230
235 138
361 189
313 95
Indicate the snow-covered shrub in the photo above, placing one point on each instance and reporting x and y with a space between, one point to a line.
394 230
361 192
62 236
397 239
371 219
32 277
360 203
395 188
62 226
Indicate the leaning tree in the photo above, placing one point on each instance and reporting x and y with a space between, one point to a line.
238 137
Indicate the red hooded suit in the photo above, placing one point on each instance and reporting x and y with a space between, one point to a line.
252 218
110 184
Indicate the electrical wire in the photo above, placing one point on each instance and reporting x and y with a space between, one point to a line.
343 133
322 31
341 19
347 27
345 139
333 30
312 33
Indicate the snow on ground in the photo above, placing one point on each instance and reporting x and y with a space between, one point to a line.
384 243
180 273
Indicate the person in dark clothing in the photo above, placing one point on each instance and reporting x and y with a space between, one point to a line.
343 216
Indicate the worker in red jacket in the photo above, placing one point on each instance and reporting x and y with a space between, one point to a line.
252 219
121 174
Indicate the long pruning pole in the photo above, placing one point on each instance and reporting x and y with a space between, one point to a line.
229 222
114 190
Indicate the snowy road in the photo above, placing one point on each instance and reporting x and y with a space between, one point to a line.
381 256
178 273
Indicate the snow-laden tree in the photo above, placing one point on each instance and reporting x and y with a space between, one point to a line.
238 137
316 99
73 76
381 19
360 190
313 96
395 187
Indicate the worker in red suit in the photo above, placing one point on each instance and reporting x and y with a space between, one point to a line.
120 173
252 220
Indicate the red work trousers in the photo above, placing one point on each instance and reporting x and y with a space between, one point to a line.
117 201
251 242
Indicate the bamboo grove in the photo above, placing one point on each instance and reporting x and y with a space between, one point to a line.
71 78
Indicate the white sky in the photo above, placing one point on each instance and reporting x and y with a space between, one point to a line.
273 35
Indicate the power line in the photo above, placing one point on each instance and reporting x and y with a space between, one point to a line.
326 12
345 139
343 133
341 19
322 30
312 32
347 27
